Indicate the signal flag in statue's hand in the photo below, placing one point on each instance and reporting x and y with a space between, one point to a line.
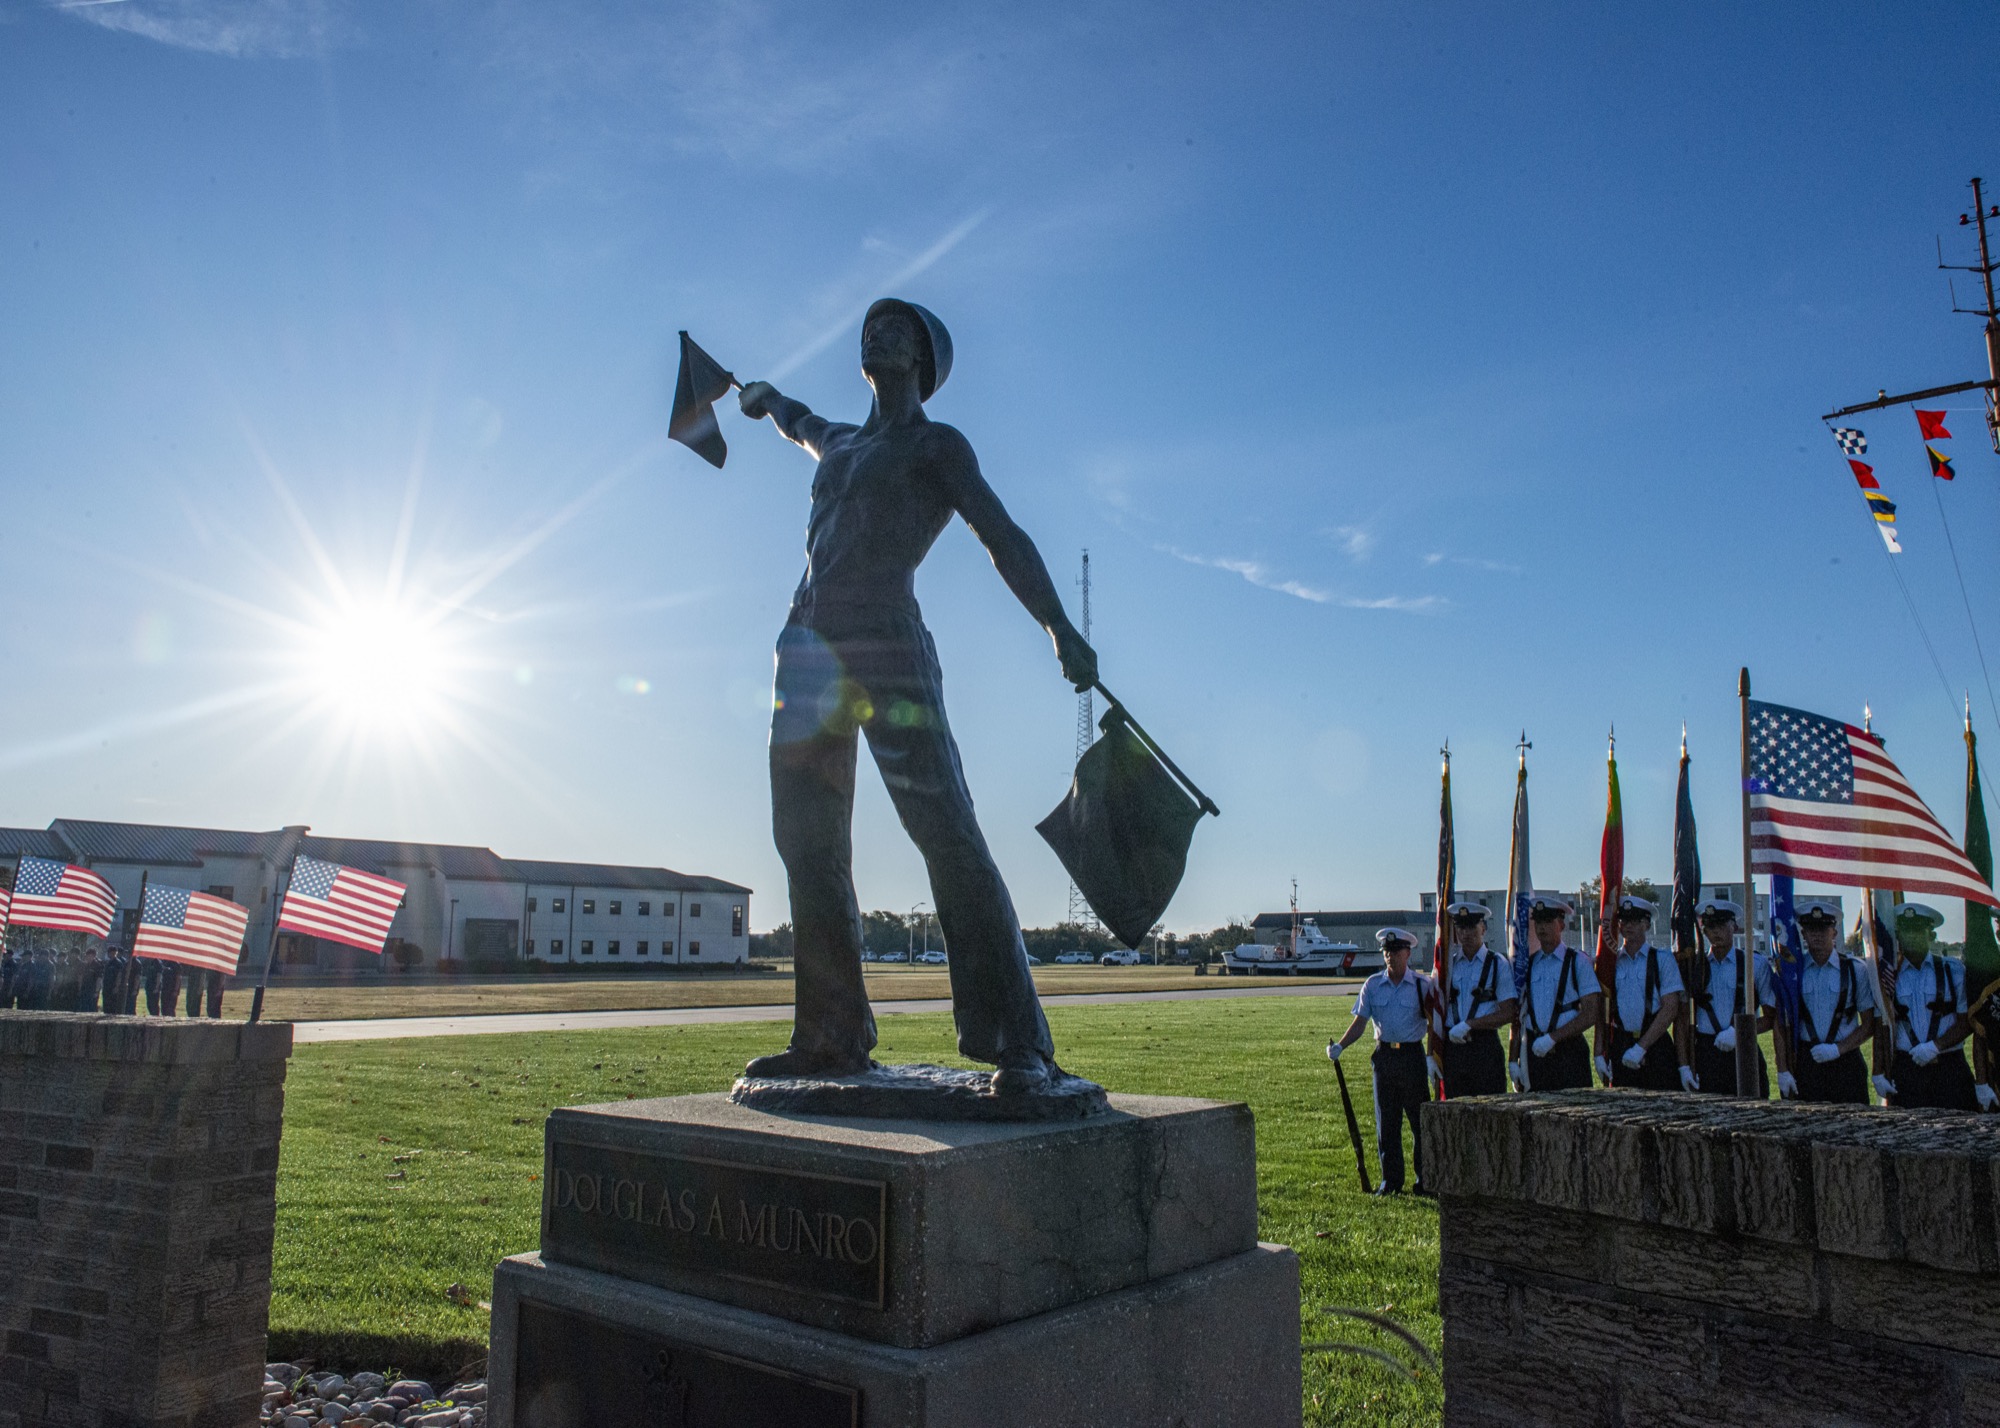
701 384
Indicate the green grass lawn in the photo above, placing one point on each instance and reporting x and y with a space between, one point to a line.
411 1166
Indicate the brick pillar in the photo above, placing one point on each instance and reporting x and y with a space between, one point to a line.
138 1178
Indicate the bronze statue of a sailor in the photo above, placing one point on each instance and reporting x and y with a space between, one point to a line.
855 659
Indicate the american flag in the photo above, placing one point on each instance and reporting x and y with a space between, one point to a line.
1826 803
177 925
61 895
341 904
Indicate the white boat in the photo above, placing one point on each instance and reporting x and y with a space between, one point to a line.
1304 950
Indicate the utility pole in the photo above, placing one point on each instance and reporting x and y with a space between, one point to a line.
1981 212
1086 729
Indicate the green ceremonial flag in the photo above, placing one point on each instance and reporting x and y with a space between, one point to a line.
1982 949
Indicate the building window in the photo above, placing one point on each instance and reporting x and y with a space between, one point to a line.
590 904
531 904
694 949
666 949
645 909
226 894
531 946
736 920
611 948
694 909
641 949
589 948
555 946
617 908
557 905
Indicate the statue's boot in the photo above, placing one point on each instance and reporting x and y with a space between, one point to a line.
793 1062
1024 1071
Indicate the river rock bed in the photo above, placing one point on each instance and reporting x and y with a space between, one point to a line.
296 1397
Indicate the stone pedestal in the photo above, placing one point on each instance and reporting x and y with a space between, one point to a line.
731 1266
1642 1258
138 1177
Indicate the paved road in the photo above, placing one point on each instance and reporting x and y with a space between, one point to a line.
387 1028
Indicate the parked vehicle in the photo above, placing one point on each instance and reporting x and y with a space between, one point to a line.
932 956
1119 957
1074 958
894 957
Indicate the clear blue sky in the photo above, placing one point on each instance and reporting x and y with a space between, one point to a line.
1409 373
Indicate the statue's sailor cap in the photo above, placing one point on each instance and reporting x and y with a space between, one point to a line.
1714 909
1549 905
1919 911
1816 909
1630 906
1466 912
1387 937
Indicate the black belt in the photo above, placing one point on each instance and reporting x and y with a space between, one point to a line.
1399 1046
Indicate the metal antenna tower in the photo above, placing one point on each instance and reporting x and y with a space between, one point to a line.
1086 728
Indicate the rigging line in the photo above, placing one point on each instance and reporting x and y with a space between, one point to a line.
1952 546
1911 605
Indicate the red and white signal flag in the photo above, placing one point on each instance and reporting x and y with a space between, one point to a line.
61 895
340 903
177 925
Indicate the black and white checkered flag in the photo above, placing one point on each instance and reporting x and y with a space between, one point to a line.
1851 441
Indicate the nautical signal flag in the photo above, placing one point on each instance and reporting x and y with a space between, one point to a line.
1851 441
177 925
340 904
61 895
1865 474
1940 465
1931 424
1879 506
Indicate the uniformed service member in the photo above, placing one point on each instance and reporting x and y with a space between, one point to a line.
1931 1022
10 963
1397 1000
1721 974
1836 1011
1645 998
1481 1002
1561 1005
151 970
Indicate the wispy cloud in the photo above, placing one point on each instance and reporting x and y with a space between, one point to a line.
243 29
1262 576
1353 541
1498 567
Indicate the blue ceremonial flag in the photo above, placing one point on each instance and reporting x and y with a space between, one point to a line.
1788 951
1520 883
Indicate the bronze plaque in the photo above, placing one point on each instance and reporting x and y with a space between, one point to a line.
573 1371
663 1218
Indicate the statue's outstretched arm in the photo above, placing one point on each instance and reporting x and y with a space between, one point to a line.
793 418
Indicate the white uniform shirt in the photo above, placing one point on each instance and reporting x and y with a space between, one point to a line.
1917 986
1820 996
1544 996
1725 979
1467 973
1396 1008
1635 1012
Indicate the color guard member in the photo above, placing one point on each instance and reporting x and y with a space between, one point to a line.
1721 972
1931 1020
1561 1005
1645 998
1482 1001
1836 1011
1397 1000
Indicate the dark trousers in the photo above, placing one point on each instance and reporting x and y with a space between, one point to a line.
215 980
1478 1068
1565 1068
1717 1069
170 987
873 670
197 990
1402 1086
1945 1084
1660 1071
1842 1081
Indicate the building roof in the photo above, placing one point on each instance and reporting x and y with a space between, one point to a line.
30 843
1388 918
455 861
158 844
613 875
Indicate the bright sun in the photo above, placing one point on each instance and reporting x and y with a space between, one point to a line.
377 665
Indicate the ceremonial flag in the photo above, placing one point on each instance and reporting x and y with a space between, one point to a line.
1610 875
61 895
1687 866
1879 505
1827 803
1520 884
1982 950
177 925
340 904
1865 474
1788 950
1940 464
1851 441
1447 877
1931 425
6 896
1872 923
701 384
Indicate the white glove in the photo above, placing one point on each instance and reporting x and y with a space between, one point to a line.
1825 1051
1436 1075
1544 1044
1924 1053
1987 1100
1514 1074
1634 1057
1333 1050
1788 1086
1725 1039
1462 1033
1884 1087
1604 1070
1689 1081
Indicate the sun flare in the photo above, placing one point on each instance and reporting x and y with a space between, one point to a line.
379 666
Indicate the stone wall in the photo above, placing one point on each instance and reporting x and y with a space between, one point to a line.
1627 1258
138 1175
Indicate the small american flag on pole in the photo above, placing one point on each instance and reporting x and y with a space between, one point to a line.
190 927
1827 803
340 904
61 895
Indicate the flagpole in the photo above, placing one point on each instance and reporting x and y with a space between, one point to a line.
138 921
287 859
1746 994
1441 933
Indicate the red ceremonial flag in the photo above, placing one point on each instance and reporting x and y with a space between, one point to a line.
1611 875
1865 474
1940 465
1932 425
61 895
177 925
6 896
341 904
